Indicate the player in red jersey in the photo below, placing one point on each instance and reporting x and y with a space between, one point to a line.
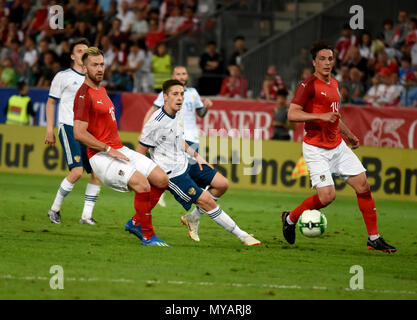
117 166
316 102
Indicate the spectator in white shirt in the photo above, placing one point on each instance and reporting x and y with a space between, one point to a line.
174 21
365 46
139 66
393 91
376 91
31 54
109 54
140 25
126 16
413 54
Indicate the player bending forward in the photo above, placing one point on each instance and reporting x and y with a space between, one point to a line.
117 166
63 89
169 150
316 102
193 105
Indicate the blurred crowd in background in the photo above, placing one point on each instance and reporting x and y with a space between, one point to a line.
372 69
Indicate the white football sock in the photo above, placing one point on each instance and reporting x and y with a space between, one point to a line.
197 213
64 189
91 195
289 220
223 219
373 237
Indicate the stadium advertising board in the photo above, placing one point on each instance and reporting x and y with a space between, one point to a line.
392 172
380 127
224 114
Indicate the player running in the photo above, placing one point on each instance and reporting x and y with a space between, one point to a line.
63 88
192 105
316 102
117 166
168 149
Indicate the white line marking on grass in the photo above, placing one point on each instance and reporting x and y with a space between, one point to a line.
238 285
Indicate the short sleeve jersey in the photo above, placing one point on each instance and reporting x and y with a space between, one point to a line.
96 108
317 96
187 118
64 86
164 139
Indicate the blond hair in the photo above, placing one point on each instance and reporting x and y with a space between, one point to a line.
91 51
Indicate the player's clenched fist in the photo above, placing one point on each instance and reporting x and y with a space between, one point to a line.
330 117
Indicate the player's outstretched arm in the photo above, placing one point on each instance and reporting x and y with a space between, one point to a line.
345 131
296 113
81 134
50 117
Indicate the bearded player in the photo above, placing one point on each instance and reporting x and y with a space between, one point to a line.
63 89
117 166
316 102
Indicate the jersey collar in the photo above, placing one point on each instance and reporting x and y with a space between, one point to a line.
163 110
81 74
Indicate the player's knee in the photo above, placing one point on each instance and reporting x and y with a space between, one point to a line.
363 186
139 183
163 182
94 179
224 185
158 178
206 202
220 183
75 174
143 186
327 198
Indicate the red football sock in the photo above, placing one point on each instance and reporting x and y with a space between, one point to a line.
309 203
367 206
155 195
143 214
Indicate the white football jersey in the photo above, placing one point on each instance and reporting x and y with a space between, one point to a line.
64 86
188 120
161 134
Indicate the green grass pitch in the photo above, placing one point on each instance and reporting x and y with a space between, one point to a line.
105 262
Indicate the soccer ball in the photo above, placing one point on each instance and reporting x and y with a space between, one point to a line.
312 223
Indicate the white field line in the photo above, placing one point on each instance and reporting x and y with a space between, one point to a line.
177 282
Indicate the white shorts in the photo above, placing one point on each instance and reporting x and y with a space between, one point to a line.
116 173
322 163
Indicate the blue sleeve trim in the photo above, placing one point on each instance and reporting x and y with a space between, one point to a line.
146 145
